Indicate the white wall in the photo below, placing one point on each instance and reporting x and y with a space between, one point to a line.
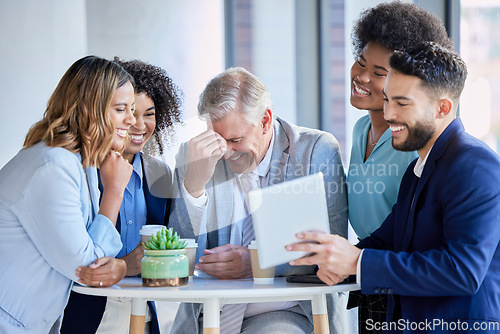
186 38
39 40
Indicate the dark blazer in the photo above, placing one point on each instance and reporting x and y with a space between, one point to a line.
83 313
439 248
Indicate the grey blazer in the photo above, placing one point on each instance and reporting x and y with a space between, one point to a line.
297 152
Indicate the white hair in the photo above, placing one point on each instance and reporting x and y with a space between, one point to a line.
235 89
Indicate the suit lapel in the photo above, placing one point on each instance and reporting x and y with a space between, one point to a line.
280 156
93 185
416 190
437 151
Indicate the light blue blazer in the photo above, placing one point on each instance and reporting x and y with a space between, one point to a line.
49 226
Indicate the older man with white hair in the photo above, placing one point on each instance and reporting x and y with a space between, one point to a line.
246 147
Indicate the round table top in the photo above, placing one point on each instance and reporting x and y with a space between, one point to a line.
209 287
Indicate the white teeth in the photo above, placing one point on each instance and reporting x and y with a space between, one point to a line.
120 132
360 91
395 128
236 158
136 137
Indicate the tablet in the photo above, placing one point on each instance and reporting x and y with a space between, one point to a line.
282 210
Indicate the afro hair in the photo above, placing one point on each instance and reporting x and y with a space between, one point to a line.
398 26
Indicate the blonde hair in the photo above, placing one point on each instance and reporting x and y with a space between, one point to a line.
76 117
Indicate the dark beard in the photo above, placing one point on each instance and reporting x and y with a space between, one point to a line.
418 137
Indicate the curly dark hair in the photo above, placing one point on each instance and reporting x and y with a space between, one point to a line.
441 70
398 26
167 97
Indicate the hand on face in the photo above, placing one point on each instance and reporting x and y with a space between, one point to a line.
104 271
226 262
115 172
204 151
335 256
247 143
133 260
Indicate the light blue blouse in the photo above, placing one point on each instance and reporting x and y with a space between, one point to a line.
373 185
49 226
133 213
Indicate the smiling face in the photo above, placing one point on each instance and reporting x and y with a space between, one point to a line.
410 112
121 110
144 125
368 75
247 143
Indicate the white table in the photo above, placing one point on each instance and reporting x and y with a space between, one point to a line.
214 293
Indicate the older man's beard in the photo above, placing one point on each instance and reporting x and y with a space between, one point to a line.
418 136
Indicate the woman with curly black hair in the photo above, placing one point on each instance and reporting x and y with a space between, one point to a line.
146 200
376 168
154 84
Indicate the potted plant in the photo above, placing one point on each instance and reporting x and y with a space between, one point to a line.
165 262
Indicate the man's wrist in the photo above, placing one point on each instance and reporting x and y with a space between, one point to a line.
199 201
193 191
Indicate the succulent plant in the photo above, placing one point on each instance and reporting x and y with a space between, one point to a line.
165 239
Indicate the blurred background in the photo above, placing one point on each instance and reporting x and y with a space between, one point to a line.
301 49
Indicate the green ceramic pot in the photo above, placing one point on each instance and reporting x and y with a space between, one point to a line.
165 268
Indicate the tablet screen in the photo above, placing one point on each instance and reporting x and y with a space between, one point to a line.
282 210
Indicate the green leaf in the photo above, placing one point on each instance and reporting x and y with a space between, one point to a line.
152 246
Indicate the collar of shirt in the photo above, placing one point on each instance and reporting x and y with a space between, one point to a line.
419 166
137 170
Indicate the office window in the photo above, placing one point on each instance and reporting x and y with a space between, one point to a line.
480 48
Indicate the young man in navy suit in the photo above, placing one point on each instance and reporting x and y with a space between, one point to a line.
437 254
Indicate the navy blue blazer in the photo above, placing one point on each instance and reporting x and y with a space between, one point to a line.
83 313
439 248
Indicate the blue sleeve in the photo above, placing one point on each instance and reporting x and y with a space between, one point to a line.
383 237
52 215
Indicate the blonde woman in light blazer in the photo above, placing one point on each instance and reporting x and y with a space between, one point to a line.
53 231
